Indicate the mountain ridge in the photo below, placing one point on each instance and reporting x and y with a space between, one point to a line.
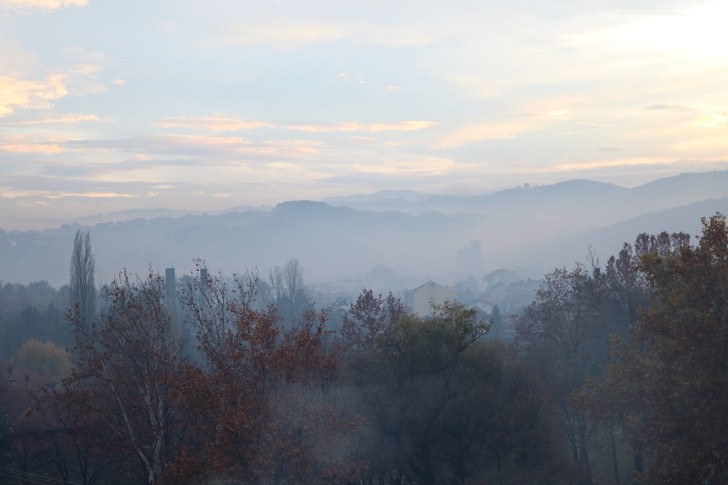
533 226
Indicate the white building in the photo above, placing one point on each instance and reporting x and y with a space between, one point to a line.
421 300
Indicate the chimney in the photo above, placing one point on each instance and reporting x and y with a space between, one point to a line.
170 299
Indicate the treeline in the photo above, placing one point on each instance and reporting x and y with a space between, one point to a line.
618 374
34 311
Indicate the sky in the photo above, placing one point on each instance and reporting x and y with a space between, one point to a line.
180 104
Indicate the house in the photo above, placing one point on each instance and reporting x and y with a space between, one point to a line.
499 277
421 300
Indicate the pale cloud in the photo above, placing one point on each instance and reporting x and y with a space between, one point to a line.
409 164
601 164
86 80
26 83
710 120
26 148
560 114
353 126
612 56
478 86
401 126
284 166
46 194
93 195
30 94
42 4
20 144
364 139
399 36
305 31
214 123
663 106
285 34
71 118
479 132
700 27
204 149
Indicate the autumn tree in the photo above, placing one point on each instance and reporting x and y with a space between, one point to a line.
32 323
83 290
627 293
45 358
669 380
257 406
287 291
125 376
440 405
407 386
4 430
567 325
368 318
74 448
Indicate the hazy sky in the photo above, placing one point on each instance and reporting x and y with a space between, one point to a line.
106 105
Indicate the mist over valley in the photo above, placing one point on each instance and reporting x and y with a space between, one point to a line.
416 237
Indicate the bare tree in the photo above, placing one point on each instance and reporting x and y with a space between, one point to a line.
4 425
83 290
288 293
126 377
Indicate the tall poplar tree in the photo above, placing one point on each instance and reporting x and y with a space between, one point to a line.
83 290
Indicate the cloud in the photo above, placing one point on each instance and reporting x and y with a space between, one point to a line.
205 149
28 94
26 185
710 120
306 24
353 126
480 132
403 36
70 118
286 34
662 106
41 4
560 114
28 83
26 148
213 123
20 144
591 165
92 195
410 165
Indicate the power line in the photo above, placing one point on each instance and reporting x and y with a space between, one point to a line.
34 478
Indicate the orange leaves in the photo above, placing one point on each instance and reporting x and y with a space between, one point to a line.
258 408
666 385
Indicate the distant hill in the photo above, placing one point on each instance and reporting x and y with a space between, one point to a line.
608 240
602 199
415 235
131 214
